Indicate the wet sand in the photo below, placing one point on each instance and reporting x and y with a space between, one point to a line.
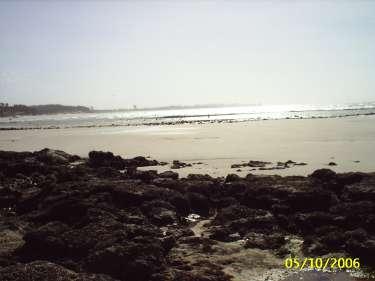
349 142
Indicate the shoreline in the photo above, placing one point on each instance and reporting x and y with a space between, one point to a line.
180 122
316 142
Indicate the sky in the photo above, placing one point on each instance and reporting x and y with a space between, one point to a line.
156 53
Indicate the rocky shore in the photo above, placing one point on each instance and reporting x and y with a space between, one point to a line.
63 217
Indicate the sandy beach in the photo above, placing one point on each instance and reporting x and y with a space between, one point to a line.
349 142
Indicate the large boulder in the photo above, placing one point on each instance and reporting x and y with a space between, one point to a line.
105 159
136 260
168 175
199 203
66 210
140 161
160 212
145 176
51 156
323 175
44 242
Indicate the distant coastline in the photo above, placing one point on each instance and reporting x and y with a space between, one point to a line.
15 110
7 110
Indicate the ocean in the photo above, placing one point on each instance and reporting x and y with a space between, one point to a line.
185 115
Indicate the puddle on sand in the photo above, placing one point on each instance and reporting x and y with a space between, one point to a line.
325 276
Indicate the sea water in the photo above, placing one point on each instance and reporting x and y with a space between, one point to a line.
187 115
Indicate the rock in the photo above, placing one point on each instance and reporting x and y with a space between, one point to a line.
232 178
251 163
256 164
51 156
288 164
333 240
308 222
108 172
260 198
364 250
261 241
29 200
199 177
307 200
350 178
148 206
168 183
199 203
169 175
283 252
10 240
257 223
65 210
145 176
29 167
332 164
234 188
105 159
168 243
44 242
221 234
129 194
97 220
14 156
207 188
359 235
140 161
176 164
46 271
224 202
359 189
160 212
8 197
357 215
280 209
323 175
82 241
312 246
138 260
181 204
356 208
235 212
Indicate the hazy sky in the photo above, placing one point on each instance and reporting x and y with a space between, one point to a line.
120 53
